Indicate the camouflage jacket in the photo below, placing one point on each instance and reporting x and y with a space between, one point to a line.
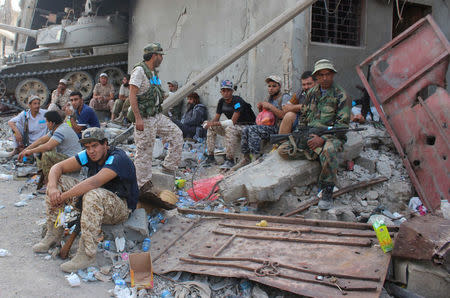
150 101
331 109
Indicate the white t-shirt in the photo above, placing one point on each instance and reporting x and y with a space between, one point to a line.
140 80
36 125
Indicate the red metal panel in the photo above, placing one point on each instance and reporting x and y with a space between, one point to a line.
414 60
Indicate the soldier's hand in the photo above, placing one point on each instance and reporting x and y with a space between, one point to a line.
315 141
55 196
208 124
139 124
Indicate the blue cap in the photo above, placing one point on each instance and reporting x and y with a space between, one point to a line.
226 84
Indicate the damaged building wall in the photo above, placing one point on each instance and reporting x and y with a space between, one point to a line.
195 34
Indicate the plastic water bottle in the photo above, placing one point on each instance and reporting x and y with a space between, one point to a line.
166 294
146 244
106 244
118 281
246 289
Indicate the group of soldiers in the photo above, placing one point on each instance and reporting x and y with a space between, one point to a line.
111 190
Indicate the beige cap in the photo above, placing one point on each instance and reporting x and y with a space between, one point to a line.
63 81
323 64
274 78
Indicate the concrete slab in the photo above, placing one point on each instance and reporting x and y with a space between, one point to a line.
136 227
269 179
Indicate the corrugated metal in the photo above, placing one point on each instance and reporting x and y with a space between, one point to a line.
400 71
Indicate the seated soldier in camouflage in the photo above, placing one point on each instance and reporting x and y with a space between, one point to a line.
122 104
108 195
103 98
326 105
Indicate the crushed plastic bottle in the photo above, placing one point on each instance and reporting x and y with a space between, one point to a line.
166 294
118 281
246 289
146 244
6 177
4 253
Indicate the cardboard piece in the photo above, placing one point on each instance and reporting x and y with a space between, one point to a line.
141 270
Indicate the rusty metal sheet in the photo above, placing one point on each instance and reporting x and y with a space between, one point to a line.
423 238
413 61
288 256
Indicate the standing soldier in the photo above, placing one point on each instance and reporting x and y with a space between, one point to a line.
325 105
146 96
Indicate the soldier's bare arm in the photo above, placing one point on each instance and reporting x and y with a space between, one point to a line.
134 106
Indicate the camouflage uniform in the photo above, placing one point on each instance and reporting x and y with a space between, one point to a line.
59 101
102 105
150 97
232 138
121 106
100 206
48 159
331 109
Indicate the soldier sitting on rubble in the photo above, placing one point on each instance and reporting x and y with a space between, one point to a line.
57 145
192 120
103 99
29 125
239 114
266 123
81 116
108 195
293 107
60 98
122 104
326 105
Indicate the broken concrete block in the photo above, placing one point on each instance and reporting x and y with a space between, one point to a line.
428 280
258 292
113 231
136 227
352 148
268 179
366 163
372 195
285 204
345 215
384 168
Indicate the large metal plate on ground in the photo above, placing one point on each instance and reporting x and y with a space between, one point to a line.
287 256
407 86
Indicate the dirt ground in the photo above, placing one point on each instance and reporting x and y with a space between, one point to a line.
24 273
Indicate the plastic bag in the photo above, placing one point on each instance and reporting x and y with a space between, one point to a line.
265 118
203 187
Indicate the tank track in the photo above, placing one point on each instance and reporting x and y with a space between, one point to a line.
61 70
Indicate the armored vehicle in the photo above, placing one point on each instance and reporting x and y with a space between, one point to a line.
78 50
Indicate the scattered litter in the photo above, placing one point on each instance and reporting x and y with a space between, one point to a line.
120 244
1 206
383 236
166 294
191 289
48 257
102 277
262 223
6 177
20 204
26 171
415 204
123 292
4 253
73 280
88 274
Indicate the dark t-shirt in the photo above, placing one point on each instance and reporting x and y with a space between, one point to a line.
237 105
125 183
87 116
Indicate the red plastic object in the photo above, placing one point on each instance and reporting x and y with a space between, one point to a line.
400 71
203 187
265 118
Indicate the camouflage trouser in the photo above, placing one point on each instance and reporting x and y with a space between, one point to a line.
252 136
121 107
327 156
100 206
169 132
48 159
232 137
101 105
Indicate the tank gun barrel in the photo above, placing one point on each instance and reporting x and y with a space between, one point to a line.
20 30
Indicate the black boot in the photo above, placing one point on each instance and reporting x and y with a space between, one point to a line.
210 160
326 202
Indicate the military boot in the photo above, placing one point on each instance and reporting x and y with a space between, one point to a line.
52 237
244 161
326 202
80 261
